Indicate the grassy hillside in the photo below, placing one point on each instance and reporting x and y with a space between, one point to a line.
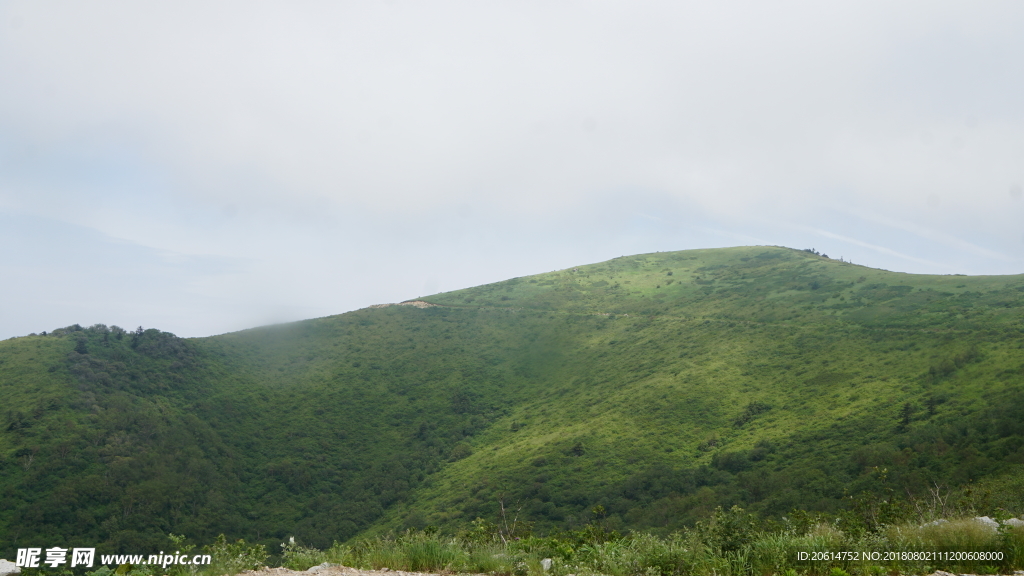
657 386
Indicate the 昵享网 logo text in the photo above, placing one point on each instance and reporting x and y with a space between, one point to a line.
86 558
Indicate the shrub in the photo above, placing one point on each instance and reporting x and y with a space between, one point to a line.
234 557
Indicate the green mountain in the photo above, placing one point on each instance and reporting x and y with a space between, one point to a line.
657 386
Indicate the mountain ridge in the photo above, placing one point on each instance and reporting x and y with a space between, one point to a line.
657 386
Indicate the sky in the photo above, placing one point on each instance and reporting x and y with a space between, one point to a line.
205 167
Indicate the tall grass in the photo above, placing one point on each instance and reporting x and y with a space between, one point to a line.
411 551
724 546
729 543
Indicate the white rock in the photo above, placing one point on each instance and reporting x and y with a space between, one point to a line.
987 522
1015 522
7 567
546 564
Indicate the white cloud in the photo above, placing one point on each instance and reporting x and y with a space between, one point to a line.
298 138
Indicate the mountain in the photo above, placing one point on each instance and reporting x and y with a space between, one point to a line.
657 386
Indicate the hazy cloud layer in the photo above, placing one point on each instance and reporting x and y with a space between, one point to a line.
204 167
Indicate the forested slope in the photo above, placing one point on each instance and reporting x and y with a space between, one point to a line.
657 386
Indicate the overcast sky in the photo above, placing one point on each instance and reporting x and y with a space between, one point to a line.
202 167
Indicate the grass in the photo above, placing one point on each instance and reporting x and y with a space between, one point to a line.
705 550
412 551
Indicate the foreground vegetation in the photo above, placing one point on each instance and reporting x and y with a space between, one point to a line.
728 543
654 388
